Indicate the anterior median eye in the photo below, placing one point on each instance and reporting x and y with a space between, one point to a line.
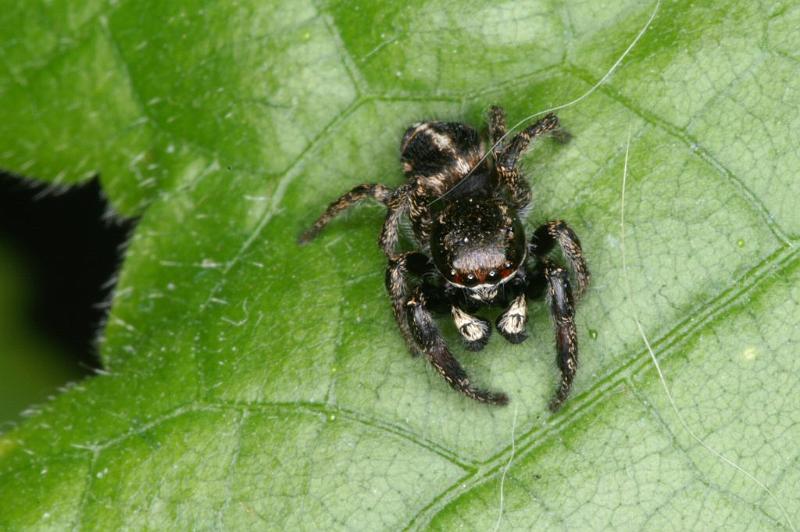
471 279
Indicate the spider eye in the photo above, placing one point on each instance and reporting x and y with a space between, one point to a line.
493 274
471 279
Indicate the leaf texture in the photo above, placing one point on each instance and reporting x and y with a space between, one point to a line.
252 383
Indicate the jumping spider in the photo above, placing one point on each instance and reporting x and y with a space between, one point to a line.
464 212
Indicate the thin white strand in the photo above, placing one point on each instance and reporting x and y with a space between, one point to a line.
505 470
561 106
593 87
661 377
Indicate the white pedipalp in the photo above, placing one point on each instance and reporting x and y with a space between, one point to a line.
470 327
514 319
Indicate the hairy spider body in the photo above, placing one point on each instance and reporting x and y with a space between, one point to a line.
472 250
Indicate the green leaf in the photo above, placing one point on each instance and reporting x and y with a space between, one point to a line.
252 383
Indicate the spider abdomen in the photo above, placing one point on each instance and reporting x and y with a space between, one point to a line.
439 154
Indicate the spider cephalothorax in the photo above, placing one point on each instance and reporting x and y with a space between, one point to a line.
472 250
478 243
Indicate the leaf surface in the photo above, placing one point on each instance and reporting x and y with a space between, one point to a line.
253 383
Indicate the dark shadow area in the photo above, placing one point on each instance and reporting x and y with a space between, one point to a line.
71 250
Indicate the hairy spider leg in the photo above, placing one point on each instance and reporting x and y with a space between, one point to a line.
399 204
507 171
556 231
396 285
429 340
562 309
374 191
419 329
497 129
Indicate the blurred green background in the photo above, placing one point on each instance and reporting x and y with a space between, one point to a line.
59 251
32 366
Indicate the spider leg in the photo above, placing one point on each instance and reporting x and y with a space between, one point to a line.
562 309
429 340
511 323
497 128
397 286
521 141
397 205
547 235
506 165
375 191
420 331
475 331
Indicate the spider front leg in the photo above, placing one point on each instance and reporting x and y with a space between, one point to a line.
397 286
430 341
511 323
475 331
506 165
420 331
562 309
547 235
